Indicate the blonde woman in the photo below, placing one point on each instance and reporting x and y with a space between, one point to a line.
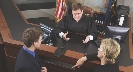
107 53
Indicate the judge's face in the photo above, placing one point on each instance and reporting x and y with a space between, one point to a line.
101 52
77 14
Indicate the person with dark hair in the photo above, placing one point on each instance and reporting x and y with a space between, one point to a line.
107 53
77 22
27 59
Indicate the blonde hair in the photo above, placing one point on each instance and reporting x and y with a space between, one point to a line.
112 49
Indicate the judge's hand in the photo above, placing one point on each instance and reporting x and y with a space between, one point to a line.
64 36
44 69
86 40
80 62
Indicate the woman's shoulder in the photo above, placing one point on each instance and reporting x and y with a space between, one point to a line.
107 68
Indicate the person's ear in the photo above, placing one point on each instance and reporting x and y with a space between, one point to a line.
82 11
72 11
34 43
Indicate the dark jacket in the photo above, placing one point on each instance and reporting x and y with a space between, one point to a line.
103 68
27 63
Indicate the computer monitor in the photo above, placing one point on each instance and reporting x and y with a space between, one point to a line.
116 32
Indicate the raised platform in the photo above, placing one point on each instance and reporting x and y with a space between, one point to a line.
44 20
36 6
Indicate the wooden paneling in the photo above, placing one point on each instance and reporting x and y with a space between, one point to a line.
3 65
130 38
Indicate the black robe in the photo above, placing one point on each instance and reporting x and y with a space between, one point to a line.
85 25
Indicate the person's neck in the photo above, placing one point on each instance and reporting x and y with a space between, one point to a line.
77 20
103 61
31 48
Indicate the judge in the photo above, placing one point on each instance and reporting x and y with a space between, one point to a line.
77 22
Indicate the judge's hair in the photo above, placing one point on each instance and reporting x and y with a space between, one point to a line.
111 48
31 35
76 6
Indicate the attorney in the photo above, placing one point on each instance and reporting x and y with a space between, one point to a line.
27 59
